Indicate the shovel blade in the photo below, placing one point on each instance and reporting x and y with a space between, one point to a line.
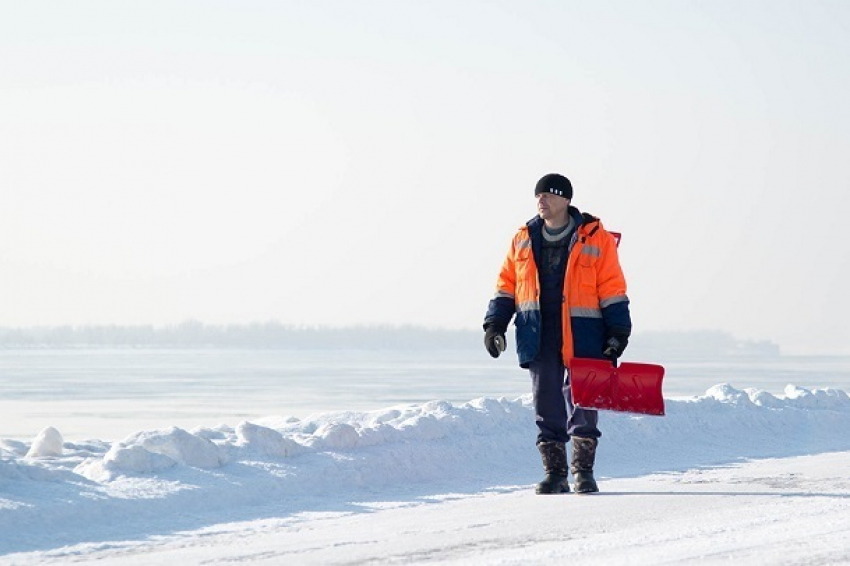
630 388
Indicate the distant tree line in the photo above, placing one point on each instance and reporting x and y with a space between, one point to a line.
265 335
275 335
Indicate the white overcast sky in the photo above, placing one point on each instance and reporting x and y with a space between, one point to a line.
339 162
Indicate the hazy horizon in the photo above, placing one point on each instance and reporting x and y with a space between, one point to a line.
275 335
340 164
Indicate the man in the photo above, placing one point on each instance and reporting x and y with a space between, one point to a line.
563 281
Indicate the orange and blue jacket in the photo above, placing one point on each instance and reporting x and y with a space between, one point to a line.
594 303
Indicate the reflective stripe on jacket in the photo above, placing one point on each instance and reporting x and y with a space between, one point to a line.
594 298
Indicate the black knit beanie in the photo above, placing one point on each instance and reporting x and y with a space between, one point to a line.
555 184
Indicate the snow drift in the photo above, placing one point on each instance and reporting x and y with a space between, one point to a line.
56 492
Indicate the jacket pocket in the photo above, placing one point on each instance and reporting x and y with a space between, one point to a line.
527 335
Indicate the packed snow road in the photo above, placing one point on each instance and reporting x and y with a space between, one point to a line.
773 511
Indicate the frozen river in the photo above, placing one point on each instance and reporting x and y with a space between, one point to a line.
109 393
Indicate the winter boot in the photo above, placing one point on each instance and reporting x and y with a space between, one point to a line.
584 454
554 455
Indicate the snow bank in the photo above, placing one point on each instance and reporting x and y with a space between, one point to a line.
161 481
153 451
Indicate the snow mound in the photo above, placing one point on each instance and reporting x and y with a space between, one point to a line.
266 440
794 397
48 443
817 398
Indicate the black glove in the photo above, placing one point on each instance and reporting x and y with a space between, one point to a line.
614 346
494 339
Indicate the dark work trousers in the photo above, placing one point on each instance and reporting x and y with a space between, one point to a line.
557 419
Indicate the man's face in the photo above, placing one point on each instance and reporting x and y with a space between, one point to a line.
552 207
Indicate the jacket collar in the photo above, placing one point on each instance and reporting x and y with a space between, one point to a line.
535 225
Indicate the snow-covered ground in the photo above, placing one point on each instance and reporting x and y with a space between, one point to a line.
732 474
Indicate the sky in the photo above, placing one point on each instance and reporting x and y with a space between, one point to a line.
338 163
442 483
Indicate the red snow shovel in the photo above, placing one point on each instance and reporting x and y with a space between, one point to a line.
630 388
